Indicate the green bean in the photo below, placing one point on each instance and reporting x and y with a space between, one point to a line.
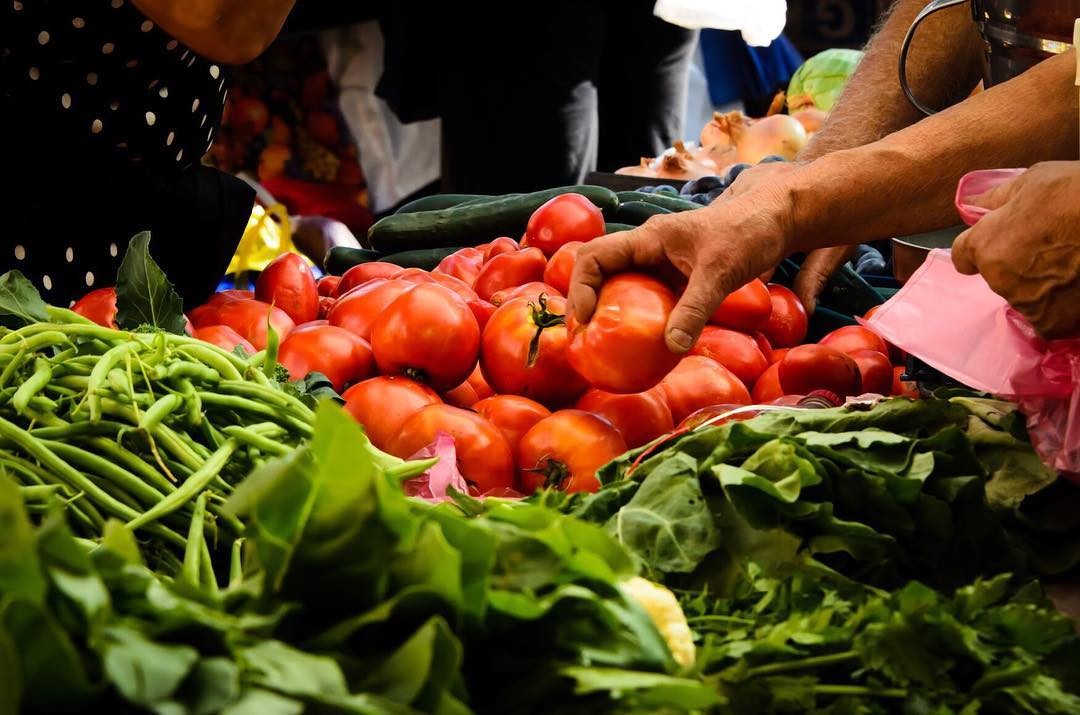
119 382
65 315
236 566
192 403
39 492
15 364
101 371
194 550
161 409
64 355
243 404
85 511
67 430
119 476
133 464
33 385
35 342
266 394
194 484
205 354
194 370
257 441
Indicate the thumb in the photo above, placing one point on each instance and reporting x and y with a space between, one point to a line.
999 195
963 252
697 303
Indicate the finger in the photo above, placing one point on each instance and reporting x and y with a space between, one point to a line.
999 195
816 271
697 303
963 251
604 257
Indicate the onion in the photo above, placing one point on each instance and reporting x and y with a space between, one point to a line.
811 118
780 135
777 104
717 134
678 162
643 169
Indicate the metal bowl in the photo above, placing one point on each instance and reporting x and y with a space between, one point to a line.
909 252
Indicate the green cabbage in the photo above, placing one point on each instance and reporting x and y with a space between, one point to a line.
821 79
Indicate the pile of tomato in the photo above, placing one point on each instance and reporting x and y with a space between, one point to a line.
481 348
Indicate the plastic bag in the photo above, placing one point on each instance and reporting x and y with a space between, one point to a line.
760 21
267 236
957 325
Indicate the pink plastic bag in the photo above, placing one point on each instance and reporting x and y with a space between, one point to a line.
977 183
957 325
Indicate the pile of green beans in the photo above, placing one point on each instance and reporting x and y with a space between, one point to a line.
150 429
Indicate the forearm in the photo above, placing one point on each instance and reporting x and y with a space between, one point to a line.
227 31
906 183
943 68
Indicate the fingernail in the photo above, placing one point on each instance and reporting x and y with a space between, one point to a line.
680 338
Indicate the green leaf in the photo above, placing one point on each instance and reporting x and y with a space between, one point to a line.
256 701
422 670
144 296
212 684
313 388
644 690
143 671
121 541
20 568
20 302
10 680
279 667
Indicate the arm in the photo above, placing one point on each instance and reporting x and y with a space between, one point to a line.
228 31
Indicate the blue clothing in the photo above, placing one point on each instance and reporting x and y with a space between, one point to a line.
736 71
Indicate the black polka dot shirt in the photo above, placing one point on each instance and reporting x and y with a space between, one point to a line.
111 80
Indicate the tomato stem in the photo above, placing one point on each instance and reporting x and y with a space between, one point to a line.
543 319
415 374
554 471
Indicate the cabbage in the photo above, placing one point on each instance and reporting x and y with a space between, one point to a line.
821 79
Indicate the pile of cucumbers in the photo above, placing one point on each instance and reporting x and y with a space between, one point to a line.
423 232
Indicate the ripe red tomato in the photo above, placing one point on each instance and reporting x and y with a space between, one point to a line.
499 246
622 348
819 367
248 318
361 273
532 291
429 334
640 418
736 351
566 218
326 304
224 337
463 396
476 379
327 286
99 306
455 284
787 324
483 455
852 338
206 314
565 450
358 309
767 388
744 309
482 311
228 296
875 371
505 352
698 381
343 357
778 355
508 270
904 388
415 275
764 345
382 404
288 284
561 266
513 415
707 413
463 265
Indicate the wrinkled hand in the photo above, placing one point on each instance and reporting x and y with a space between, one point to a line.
819 265
712 251
1028 248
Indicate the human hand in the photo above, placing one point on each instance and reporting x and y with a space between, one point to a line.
1028 248
315 235
712 251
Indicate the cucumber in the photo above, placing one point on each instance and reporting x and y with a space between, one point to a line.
438 201
637 212
472 224
671 203
616 227
341 258
426 258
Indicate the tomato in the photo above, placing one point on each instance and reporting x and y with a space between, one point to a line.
455 284
499 246
224 337
382 404
788 322
895 353
463 396
361 273
327 286
483 455
343 357
228 296
904 388
482 311
249 317
566 218
778 355
767 388
508 270
764 346
818 367
415 275
430 334
479 384
875 371
206 314
357 310
513 415
705 414
463 265
532 291
505 352
326 304
698 381
561 266
852 338
622 348
288 284
640 418
308 326
736 351
565 449
99 306
745 308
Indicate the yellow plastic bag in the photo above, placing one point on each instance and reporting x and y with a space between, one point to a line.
267 236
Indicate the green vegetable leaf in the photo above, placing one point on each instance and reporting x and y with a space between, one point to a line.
143 671
421 672
20 567
212 684
277 666
313 388
144 296
654 691
20 302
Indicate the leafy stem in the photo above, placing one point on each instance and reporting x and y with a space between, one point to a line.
817 661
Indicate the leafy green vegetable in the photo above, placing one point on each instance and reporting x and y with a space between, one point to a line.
20 302
144 296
